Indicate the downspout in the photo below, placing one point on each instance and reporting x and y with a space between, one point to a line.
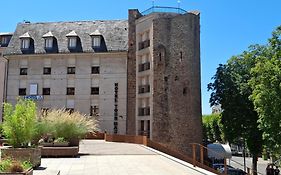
5 82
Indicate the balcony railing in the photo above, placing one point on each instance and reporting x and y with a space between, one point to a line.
161 9
144 44
144 111
144 66
144 89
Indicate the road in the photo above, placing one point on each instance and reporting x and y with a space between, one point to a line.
262 164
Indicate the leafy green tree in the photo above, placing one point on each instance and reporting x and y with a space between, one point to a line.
266 84
231 89
212 128
19 123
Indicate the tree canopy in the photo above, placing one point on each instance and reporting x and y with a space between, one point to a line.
248 88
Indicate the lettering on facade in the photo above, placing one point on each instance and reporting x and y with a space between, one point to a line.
33 97
115 123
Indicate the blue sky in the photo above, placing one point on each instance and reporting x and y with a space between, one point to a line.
228 27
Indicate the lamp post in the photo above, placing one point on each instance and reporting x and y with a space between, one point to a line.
244 154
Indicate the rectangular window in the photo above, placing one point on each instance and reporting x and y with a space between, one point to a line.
25 42
95 70
95 91
46 91
96 41
70 91
33 89
4 40
72 42
94 111
23 71
49 42
47 70
70 70
22 91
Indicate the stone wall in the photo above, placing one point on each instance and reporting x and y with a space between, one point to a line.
176 94
131 73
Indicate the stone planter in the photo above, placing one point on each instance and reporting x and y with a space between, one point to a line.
61 144
74 142
30 154
27 172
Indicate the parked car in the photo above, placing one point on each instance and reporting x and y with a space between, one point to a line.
233 171
218 166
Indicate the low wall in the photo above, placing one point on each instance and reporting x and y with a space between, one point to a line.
126 139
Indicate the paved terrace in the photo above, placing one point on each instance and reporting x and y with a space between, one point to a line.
107 158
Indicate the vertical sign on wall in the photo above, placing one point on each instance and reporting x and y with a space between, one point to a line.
115 123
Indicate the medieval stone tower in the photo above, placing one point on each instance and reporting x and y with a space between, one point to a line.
164 94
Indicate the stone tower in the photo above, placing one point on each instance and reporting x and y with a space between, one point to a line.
164 94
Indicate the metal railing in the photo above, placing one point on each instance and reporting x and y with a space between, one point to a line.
161 9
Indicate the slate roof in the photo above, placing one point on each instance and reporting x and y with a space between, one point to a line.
114 32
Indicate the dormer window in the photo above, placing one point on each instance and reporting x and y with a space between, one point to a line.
49 40
72 39
72 42
25 41
5 39
96 39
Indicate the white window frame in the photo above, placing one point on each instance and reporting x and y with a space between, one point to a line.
49 42
25 43
72 42
96 41
33 89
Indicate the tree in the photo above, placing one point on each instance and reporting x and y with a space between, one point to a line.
231 89
212 128
19 123
266 84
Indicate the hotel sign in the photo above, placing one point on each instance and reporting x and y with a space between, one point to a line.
33 97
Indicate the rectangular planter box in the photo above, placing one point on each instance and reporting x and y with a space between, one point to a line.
60 151
27 172
30 154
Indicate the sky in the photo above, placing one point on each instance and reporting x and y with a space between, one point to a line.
228 27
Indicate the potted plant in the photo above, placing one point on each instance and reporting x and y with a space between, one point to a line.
14 167
19 128
60 142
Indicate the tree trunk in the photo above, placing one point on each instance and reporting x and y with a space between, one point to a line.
254 164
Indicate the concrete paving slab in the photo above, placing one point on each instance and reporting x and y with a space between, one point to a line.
108 158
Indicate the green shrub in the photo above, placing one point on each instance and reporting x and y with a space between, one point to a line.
19 125
60 140
9 165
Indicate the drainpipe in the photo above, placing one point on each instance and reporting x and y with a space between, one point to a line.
5 82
